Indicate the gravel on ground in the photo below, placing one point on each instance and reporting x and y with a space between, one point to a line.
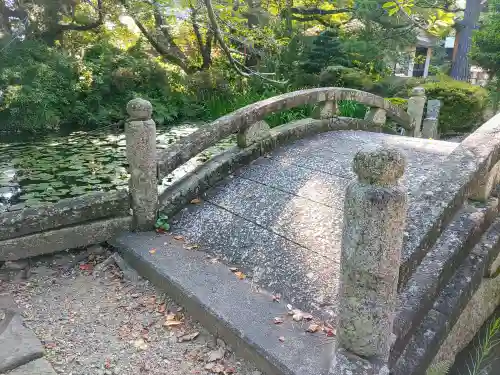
100 324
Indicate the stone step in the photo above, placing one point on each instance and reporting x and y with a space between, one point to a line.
426 343
438 266
37 367
235 310
18 344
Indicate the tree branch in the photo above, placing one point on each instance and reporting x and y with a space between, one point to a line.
89 26
237 66
321 12
205 48
164 52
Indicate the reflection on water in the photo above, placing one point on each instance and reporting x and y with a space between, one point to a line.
54 168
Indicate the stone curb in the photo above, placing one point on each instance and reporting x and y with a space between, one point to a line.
228 307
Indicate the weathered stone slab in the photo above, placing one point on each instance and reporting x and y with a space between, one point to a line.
433 106
482 304
439 265
450 305
210 291
61 239
309 224
346 363
69 211
423 345
486 183
445 189
306 278
18 345
37 367
310 184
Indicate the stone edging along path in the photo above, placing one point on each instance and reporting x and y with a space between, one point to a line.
21 353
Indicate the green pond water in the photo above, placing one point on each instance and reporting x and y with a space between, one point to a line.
47 170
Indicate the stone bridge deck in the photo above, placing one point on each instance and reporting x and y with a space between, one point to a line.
280 219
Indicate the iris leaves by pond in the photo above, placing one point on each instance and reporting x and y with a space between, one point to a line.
52 169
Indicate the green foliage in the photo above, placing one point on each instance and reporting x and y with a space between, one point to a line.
483 353
340 76
327 49
162 223
402 102
486 40
462 106
440 368
46 89
350 108
40 86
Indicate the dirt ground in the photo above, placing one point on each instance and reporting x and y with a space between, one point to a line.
100 324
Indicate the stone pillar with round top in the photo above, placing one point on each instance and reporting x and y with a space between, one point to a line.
374 222
140 132
416 104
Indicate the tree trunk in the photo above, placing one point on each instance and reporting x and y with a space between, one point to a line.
288 16
460 69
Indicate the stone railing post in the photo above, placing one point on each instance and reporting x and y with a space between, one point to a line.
374 222
416 105
140 132
254 133
326 110
430 124
378 116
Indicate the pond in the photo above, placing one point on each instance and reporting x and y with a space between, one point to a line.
47 170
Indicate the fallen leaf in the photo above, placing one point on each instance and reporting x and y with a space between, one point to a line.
50 345
188 337
240 275
230 370
215 355
233 269
140 344
218 369
278 320
172 321
297 317
161 308
281 339
331 332
312 328
152 251
196 201
307 316
276 298
86 267
179 238
192 247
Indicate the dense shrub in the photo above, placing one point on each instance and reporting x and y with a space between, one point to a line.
462 104
39 87
340 76
44 89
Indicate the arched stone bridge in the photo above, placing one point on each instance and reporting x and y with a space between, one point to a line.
258 229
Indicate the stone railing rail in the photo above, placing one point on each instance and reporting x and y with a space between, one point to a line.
69 223
241 119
